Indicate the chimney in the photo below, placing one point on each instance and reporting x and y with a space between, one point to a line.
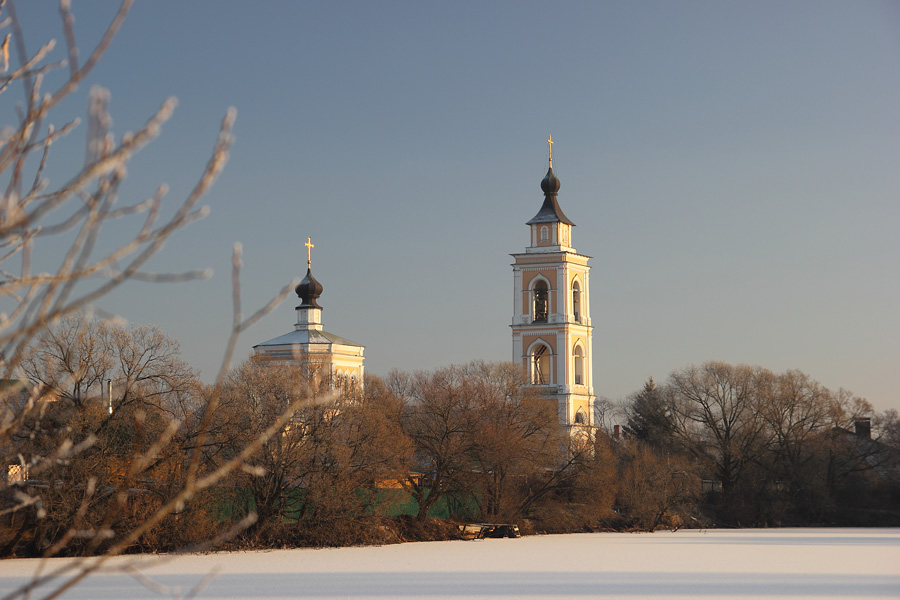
617 432
863 428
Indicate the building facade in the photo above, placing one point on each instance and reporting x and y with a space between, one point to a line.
551 325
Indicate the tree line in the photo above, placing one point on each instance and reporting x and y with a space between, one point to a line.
125 427
773 448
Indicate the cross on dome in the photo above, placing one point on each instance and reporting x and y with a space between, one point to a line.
550 148
309 246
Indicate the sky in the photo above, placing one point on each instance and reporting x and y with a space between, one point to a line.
733 170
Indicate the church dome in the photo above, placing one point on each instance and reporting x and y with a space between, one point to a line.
550 183
309 290
550 211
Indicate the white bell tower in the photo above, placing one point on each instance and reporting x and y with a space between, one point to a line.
551 325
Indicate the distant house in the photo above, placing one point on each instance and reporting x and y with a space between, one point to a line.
870 454
14 397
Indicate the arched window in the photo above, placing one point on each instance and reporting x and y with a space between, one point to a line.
579 366
540 302
576 300
540 365
545 233
580 417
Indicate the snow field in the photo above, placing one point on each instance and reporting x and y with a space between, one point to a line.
746 564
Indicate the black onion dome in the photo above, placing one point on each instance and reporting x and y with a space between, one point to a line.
550 183
309 290
550 211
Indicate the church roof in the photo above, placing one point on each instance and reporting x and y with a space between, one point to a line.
550 211
308 336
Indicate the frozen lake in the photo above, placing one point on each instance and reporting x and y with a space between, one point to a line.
745 564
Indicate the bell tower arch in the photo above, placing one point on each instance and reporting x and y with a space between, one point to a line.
551 324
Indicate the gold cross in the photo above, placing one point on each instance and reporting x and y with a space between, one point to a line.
550 145
309 246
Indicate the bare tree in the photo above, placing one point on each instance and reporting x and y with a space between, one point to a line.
379 450
606 414
480 432
784 448
253 396
35 212
71 362
325 464
70 359
576 487
797 414
515 435
82 206
437 418
656 490
888 424
149 369
715 409
80 359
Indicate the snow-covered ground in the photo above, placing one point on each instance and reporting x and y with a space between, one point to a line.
745 564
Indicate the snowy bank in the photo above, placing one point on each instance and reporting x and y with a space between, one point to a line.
749 564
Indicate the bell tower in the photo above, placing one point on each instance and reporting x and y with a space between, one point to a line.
551 325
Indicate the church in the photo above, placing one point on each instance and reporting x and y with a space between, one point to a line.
322 353
551 324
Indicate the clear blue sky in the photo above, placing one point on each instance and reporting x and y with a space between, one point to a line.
733 168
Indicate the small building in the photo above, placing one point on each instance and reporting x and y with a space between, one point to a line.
321 353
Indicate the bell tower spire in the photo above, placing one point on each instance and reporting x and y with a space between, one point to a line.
551 229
